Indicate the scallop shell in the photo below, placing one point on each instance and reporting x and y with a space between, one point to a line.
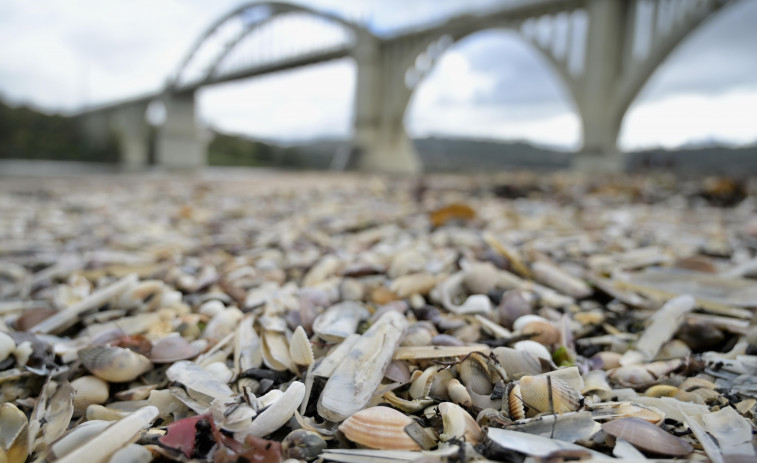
380 428
646 436
172 349
535 396
114 364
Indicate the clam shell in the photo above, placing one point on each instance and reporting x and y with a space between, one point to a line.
114 364
89 390
380 428
277 414
7 346
646 436
536 397
557 278
172 349
474 373
13 433
542 332
416 283
517 363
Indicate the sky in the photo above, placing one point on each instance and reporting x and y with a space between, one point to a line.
62 55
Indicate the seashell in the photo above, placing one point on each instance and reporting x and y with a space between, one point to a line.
407 406
675 348
537 446
114 364
570 427
515 403
536 397
612 410
458 393
339 321
534 348
30 318
421 382
351 289
474 304
517 363
605 360
269 399
7 346
491 418
419 334
335 357
13 433
542 332
211 308
223 323
512 307
200 384
458 424
380 428
595 382
248 350
276 352
648 437
439 383
88 390
481 277
23 353
474 373
172 349
557 278
300 349
77 436
99 412
415 283
661 390
117 435
132 453
354 381
324 268
220 371
398 371
277 414
302 444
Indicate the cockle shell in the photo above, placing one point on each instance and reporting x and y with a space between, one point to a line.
114 364
646 436
533 394
300 349
379 428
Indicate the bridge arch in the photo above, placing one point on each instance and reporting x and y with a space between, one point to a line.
204 63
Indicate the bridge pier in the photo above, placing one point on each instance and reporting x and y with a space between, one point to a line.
179 143
379 140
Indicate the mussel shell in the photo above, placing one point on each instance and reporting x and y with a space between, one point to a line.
648 437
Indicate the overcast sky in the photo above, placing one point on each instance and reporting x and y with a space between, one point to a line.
60 55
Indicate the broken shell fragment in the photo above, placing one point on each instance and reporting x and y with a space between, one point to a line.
114 364
458 424
544 394
278 413
380 428
300 349
302 444
648 437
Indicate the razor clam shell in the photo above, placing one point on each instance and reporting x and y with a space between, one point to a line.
568 427
663 325
533 445
557 278
335 357
646 436
339 321
116 436
353 382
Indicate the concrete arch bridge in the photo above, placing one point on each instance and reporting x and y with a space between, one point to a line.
602 51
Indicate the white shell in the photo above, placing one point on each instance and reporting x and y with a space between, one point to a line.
339 321
300 349
89 390
277 414
7 346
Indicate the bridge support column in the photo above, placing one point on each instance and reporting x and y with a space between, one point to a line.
133 135
180 144
380 143
596 96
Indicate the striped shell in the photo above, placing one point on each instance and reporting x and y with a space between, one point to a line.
532 396
380 428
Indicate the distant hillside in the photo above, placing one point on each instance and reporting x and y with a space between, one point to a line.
29 134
